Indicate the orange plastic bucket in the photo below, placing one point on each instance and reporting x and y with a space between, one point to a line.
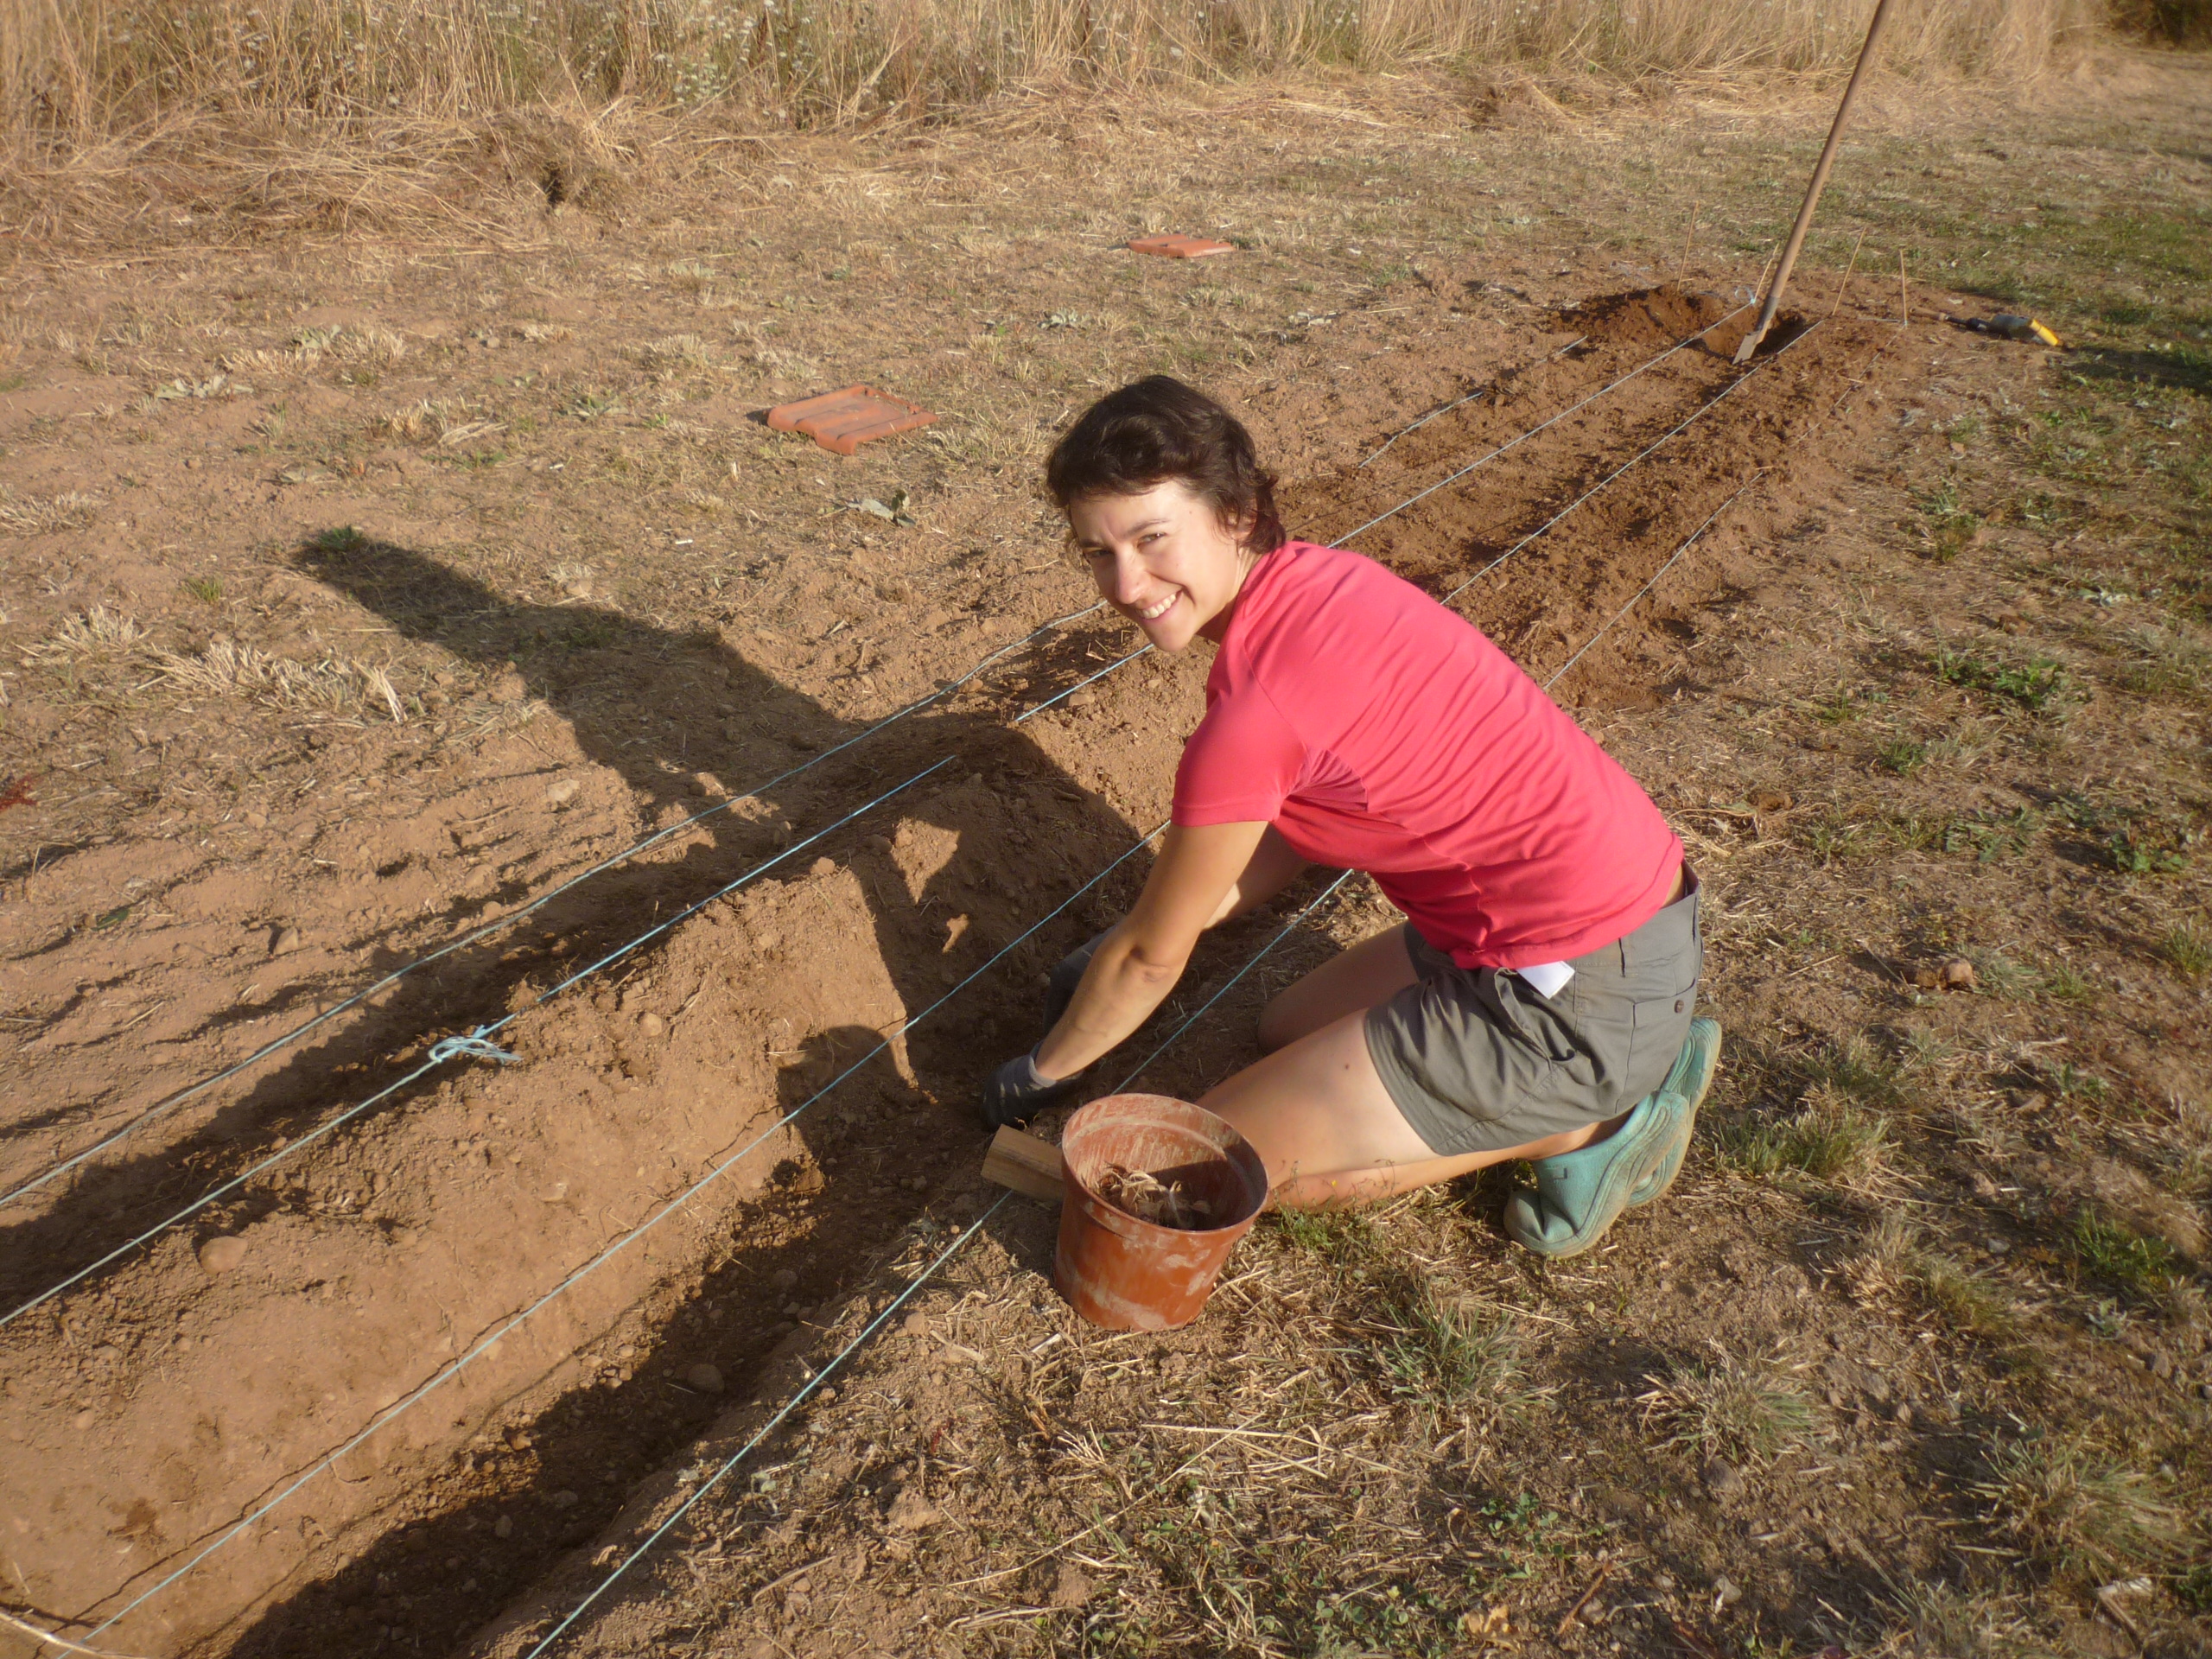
1119 1270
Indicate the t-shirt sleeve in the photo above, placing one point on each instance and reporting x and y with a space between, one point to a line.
1240 765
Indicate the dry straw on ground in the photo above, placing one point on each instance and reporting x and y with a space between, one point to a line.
144 115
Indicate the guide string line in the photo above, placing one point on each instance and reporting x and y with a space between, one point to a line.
454 1368
869 1329
1672 432
169 1102
474 1042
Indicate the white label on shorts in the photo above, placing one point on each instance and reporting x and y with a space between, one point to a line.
1547 977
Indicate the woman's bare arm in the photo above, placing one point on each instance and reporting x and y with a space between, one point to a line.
1198 880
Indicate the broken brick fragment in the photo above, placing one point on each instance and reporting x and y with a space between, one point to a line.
1175 246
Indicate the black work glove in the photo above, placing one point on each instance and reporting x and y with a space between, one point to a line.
1017 1092
1059 989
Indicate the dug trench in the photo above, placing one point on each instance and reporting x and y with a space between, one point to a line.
156 1404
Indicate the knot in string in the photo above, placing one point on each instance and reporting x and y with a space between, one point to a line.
477 1045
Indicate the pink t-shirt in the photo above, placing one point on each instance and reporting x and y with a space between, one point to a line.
1378 731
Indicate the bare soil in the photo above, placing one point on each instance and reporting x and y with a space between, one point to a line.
524 488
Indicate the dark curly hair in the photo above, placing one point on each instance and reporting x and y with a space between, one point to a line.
1158 429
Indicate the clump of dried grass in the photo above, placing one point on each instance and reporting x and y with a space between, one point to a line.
312 348
41 515
1744 1410
96 633
2064 1505
1446 1355
676 354
445 420
1942 1622
338 684
1893 1267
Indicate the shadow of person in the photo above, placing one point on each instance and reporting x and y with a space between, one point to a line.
1005 830
983 847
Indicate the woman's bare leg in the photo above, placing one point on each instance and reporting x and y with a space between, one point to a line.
1374 970
1327 1129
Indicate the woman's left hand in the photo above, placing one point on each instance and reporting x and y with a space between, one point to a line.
1017 1092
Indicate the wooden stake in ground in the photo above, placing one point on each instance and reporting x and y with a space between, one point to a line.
1813 191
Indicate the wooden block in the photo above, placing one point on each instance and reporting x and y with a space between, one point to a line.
1023 1162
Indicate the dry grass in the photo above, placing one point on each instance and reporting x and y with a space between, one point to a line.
1894 1267
2061 1503
1745 1410
1940 1619
370 346
99 66
158 121
96 633
442 420
338 684
41 515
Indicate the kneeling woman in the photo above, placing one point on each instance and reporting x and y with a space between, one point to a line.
1538 1002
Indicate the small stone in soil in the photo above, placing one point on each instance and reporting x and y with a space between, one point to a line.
284 940
1720 1479
822 866
504 1527
221 1254
652 1024
707 1379
784 1279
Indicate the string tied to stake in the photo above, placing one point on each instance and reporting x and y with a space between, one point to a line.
477 1045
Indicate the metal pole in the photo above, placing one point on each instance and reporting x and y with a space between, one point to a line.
1813 191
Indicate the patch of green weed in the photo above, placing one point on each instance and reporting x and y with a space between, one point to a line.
2133 852
2189 951
1829 1139
1902 756
2036 685
1336 1236
2108 1249
1948 528
591 635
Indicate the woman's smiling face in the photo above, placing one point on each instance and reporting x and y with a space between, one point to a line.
1163 559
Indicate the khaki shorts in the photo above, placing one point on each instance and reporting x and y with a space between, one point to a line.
1477 1061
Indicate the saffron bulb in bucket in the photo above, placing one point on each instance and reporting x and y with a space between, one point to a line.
1158 1192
